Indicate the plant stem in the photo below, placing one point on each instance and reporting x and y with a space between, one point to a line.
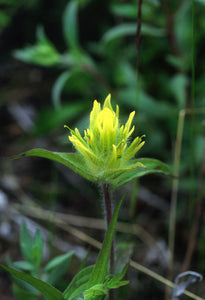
108 209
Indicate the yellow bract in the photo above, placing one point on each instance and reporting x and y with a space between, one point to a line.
105 143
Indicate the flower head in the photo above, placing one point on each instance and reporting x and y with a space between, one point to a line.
105 145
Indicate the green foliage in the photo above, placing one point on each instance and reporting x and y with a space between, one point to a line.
79 283
101 267
92 281
31 249
57 267
70 25
99 290
47 290
116 177
31 277
113 282
43 53
49 119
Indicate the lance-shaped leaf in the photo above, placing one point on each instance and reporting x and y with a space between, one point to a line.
96 292
79 284
71 160
113 282
151 166
70 25
50 292
116 177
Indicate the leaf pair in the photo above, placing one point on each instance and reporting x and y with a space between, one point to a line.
116 177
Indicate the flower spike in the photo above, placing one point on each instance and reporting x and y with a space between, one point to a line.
105 145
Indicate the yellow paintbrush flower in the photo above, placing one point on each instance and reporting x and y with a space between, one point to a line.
105 154
105 146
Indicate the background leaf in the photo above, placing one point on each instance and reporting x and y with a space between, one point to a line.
46 289
130 29
37 249
26 242
70 25
58 87
57 267
43 52
51 118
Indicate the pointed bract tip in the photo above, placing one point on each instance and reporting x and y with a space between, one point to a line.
107 102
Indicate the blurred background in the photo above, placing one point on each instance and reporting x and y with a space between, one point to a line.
56 58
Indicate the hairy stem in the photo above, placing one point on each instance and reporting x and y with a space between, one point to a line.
108 210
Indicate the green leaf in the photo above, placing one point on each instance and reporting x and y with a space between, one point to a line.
71 160
79 284
61 259
116 177
37 249
115 281
22 294
113 174
101 267
123 253
58 87
147 104
152 166
70 25
177 62
152 31
24 265
19 282
58 267
201 1
31 249
43 53
178 86
46 289
119 32
95 291
26 242
125 10
51 119
82 265
128 29
153 2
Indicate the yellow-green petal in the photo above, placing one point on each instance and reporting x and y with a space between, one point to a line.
105 145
